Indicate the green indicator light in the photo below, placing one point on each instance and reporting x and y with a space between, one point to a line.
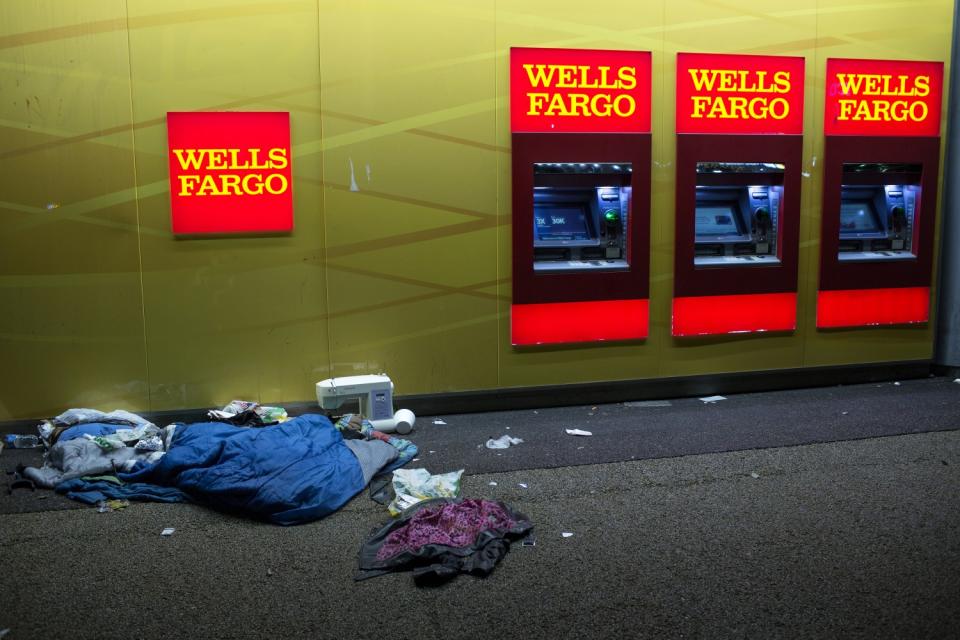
611 214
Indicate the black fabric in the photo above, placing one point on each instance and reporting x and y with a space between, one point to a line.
433 564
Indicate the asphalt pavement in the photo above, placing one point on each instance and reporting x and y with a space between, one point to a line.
850 539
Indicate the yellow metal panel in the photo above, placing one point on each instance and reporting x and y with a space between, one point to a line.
400 256
230 317
754 28
71 331
410 191
882 30
567 24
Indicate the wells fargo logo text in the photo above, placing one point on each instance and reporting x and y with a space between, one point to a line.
872 97
605 97
231 172
725 99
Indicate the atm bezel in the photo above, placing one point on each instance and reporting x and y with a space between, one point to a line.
836 274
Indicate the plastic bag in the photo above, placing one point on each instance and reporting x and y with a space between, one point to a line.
414 485
503 442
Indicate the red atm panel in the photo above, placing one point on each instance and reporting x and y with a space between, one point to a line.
879 192
739 152
581 195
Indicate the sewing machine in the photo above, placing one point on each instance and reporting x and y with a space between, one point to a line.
374 393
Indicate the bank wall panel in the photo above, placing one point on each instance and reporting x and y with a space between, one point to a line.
400 256
233 316
410 191
71 326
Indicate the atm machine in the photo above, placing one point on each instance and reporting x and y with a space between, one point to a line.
879 196
580 227
737 214
878 205
580 196
737 195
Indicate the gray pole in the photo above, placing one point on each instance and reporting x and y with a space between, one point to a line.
946 357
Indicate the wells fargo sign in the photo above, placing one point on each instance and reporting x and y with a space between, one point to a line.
883 98
579 91
230 172
738 94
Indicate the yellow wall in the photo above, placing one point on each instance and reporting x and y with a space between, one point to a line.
409 272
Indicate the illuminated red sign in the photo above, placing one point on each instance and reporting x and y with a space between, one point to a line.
230 172
579 91
882 98
735 94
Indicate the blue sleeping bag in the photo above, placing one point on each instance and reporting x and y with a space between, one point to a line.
290 473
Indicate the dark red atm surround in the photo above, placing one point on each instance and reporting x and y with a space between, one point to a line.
571 306
724 299
858 294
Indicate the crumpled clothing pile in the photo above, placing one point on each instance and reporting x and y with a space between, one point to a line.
87 442
439 539
355 427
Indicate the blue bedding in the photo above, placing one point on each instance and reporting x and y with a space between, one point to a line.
294 472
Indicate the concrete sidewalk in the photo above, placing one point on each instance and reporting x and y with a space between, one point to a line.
847 539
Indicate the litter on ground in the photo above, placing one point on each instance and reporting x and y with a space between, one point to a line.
439 422
649 403
503 442
168 531
566 534
712 399
578 432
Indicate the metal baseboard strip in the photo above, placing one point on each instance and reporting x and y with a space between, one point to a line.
515 398
659 388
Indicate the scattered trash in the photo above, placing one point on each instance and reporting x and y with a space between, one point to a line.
4 632
245 413
538 413
439 422
578 432
957 380
896 384
566 534
105 506
431 452
521 484
754 476
168 531
649 403
415 460
593 408
269 572
578 448
844 413
492 484
14 441
712 399
503 442
528 542
415 485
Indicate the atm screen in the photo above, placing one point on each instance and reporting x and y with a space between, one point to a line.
859 216
562 222
717 220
